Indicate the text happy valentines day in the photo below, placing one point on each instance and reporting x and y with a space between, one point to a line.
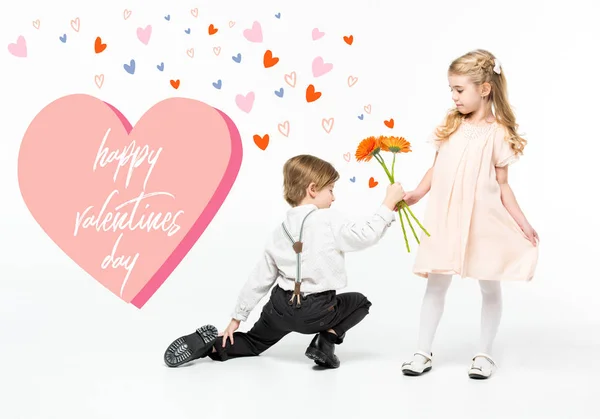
122 216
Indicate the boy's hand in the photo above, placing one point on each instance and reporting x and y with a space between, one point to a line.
393 195
228 333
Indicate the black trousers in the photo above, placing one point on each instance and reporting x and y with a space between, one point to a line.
317 312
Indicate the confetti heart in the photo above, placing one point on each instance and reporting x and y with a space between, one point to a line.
194 12
99 46
126 14
168 18
352 81
188 31
353 179
349 39
347 156
175 83
269 60
261 142
290 79
284 128
231 23
99 80
217 51
161 66
237 58
36 23
165 209
190 52
389 123
279 93
212 30
319 67
312 94
130 68
217 85
327 124
317 34
278 15
372 182
75 24
18 49
361 116
367 109
144 34
254 34
63 38
245 103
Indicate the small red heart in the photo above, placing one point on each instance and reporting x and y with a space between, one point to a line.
99 46
389 123
212 30
261 142
175 83
372 182
269 60
312 94
349 39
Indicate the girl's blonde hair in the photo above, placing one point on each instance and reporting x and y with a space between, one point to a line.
300 171
478 65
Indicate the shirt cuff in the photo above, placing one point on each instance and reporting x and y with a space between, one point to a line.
387 214
240 314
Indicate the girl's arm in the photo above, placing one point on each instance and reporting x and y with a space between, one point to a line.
510 203
416 195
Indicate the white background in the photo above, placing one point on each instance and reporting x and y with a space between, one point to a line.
71 349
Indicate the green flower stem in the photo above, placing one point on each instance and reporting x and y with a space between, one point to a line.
393 163
416 219
403 229
404 206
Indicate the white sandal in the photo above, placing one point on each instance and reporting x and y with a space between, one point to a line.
413 368
480 373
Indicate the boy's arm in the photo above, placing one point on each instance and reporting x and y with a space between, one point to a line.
261 279
353 236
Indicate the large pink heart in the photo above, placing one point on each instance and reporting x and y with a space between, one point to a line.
127 204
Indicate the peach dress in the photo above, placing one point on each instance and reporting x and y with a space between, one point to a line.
472 233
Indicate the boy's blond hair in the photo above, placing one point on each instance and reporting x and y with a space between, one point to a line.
300 171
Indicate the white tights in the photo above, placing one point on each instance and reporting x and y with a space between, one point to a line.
433 308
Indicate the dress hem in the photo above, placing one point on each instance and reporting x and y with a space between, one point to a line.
425 274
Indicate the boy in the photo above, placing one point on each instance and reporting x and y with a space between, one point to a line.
305 258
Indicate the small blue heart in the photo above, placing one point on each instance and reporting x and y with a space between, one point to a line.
217 85
353 179
188 30
130 68
279 92
237 58
361 116
168 17
161 66
278 15
63 38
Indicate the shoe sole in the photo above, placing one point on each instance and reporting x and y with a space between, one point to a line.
320 358
477 376
415 373
179 352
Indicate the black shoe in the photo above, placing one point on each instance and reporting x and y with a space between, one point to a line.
190 347
321 350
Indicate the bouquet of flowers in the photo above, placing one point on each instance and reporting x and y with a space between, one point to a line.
372 147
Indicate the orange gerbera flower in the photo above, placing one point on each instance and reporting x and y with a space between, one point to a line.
367 149
395 144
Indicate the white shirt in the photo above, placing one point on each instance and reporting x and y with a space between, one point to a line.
326 236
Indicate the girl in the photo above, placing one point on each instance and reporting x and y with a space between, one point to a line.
477 229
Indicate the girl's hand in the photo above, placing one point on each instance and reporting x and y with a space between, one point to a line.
531 234
412 197
228 333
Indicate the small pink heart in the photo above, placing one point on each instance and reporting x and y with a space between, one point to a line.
284 128
75 24
290 79
99 80
245 102
119 204
327 124
144 34
254 34
126 14
20 48
352 81
347 156
194 12
190 52
217 51
368 109
317 34
319 67
36 23
231 23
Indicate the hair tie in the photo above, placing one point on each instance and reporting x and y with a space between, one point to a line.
497 65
